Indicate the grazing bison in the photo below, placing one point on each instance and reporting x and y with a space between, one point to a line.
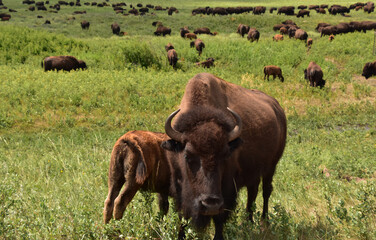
283 31
303 13
369 69
162 30
199 44
275 71
242 29
225 137
172 57
253 35
314 75
209 62
191 36
138 162
66 63
301 34
259 10
203 30
85 24
331 38
278 37
115 28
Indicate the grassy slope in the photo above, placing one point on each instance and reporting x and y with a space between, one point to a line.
57 129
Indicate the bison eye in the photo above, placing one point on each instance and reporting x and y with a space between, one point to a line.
193 162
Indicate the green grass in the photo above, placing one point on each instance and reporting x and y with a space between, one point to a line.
57 129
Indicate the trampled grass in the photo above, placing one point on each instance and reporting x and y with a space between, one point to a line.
57 129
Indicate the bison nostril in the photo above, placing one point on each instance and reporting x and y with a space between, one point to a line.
212 203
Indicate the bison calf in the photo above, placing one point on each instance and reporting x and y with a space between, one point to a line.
66 63
190 36
207 63
275 71
369 69
138 162
278 37
314 75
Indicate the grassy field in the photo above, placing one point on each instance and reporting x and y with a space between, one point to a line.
57 129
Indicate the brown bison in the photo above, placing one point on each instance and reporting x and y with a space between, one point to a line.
66 63
191 36
115 28
162 30
303 13
301 34
278 37
138 162
172 57
259 10
85 24
242 29
209 62
203 30
253 35
225 137
275 71
331 38
369 69
283 31
314 75
199 44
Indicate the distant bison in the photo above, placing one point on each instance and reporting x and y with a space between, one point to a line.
303 13
275 71
253 35
172 57
301 34
85 24
242 29
190 36
278 37
203 30
184 31
199 44
162 30
138 162
369 69
309 42
169 46
314 75
65 63
209 62
115 28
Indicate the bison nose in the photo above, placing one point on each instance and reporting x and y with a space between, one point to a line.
211 204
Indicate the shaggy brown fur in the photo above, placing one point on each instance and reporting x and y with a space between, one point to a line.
190 36
199 45
253 35
66 63
207 63
314 75
172 57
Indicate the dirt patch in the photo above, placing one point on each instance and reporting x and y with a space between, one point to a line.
362 80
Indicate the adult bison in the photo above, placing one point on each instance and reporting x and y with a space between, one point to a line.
199 45
115 28
66 63
225 137
314 75
203 30
253 35
162 30
369 69
184 31
138 162
242 29
172 57
275 71
85 24
301 34
209 62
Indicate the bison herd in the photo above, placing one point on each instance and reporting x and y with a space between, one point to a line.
224 138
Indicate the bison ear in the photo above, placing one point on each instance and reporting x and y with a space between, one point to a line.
235 144
172 145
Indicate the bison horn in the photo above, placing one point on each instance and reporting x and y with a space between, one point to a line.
172 133
235 133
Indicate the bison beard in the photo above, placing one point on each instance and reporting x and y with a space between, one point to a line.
225 137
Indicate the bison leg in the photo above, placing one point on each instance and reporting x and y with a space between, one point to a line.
252 194
122 201
114 186
163 203
267 189
218 222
